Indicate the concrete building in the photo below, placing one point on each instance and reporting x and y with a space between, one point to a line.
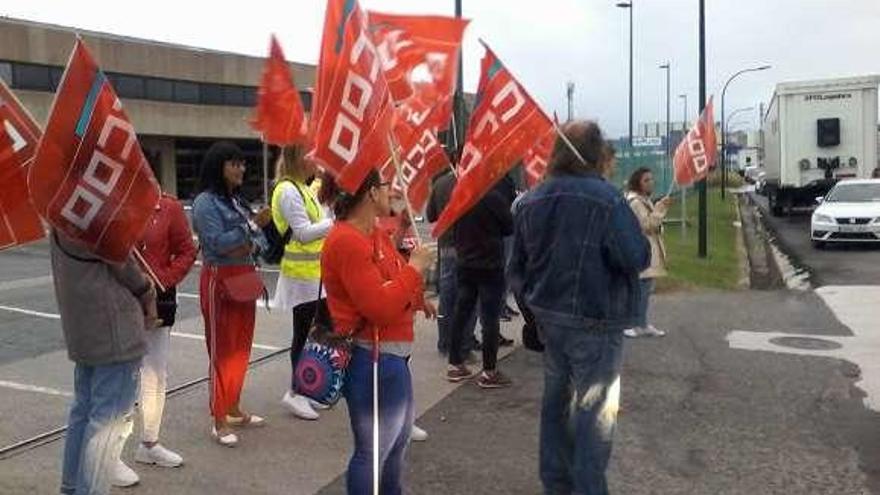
180 99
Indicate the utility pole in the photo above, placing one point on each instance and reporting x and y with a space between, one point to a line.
702 248
629 5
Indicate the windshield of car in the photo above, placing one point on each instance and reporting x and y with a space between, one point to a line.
854 193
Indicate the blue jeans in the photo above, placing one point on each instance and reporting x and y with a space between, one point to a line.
100 421
646 286
396 410
448 287
579 410
485 286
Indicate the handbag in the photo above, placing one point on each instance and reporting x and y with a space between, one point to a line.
323 364
166 306
243 287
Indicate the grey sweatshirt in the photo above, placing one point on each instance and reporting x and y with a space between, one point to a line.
101 317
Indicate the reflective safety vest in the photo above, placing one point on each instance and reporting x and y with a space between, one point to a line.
301 260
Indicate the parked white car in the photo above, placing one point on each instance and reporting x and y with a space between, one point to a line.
850 212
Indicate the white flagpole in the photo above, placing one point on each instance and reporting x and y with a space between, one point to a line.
569 143
376 411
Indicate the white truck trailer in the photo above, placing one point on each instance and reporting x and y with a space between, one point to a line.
815 133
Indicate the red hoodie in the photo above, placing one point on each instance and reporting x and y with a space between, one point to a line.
367 280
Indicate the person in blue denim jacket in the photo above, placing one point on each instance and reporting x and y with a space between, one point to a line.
230 238
577 253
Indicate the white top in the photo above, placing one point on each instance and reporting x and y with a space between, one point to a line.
291 292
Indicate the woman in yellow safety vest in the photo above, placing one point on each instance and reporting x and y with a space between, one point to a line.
295 206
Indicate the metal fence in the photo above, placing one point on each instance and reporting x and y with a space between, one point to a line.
629 159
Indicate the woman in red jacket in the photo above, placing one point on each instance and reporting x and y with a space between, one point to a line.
373 292
167 247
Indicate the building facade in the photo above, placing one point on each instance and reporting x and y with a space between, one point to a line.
180 99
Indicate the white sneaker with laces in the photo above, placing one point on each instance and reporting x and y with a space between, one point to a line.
158 455
653 331
124 476
417 434
299 406
633 333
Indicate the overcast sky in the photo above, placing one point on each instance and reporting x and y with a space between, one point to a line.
547 42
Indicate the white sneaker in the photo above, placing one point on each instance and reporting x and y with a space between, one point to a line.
124 476
653 331
633 333
158 455
317 405
299 406
417 434
227 440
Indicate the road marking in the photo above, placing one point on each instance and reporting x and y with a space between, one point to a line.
51 316
173 334
34 388
194 336
855 307
26 283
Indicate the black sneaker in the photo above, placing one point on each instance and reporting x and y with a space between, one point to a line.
493 379
458 373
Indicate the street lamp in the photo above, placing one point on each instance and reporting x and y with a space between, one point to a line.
629 5
667 68
723 137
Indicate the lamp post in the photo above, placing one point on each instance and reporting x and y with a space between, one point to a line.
629 5
725 128
723 136
684 130
667 68
702 243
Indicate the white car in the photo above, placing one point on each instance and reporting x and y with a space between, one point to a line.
850 212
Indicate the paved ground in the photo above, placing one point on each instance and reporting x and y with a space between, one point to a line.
703 413
837 264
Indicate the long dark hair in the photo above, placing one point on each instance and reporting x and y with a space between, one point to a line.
342 202
211 172
634 183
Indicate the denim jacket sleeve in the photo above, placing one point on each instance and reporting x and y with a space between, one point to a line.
213 233
625 247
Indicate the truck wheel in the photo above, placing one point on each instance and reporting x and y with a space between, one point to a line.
773 201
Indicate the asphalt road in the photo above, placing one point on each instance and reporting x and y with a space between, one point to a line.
26 285
836 264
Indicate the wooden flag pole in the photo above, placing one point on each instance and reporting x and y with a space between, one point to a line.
409 208
140 258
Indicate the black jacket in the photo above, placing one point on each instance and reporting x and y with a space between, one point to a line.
441 189
479 235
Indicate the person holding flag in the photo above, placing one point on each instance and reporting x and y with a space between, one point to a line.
167 248
640 187
373 294
578 250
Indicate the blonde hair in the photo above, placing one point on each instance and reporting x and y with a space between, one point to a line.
290 162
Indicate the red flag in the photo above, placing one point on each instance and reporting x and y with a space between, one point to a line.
696 153
353 106
279 115
19 134
538 156
420 49
89 178
421 157
502 128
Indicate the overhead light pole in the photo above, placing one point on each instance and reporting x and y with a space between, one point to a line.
629 5
723 136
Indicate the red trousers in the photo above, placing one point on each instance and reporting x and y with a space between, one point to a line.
229 333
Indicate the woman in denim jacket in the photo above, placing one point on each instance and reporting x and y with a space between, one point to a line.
230 238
